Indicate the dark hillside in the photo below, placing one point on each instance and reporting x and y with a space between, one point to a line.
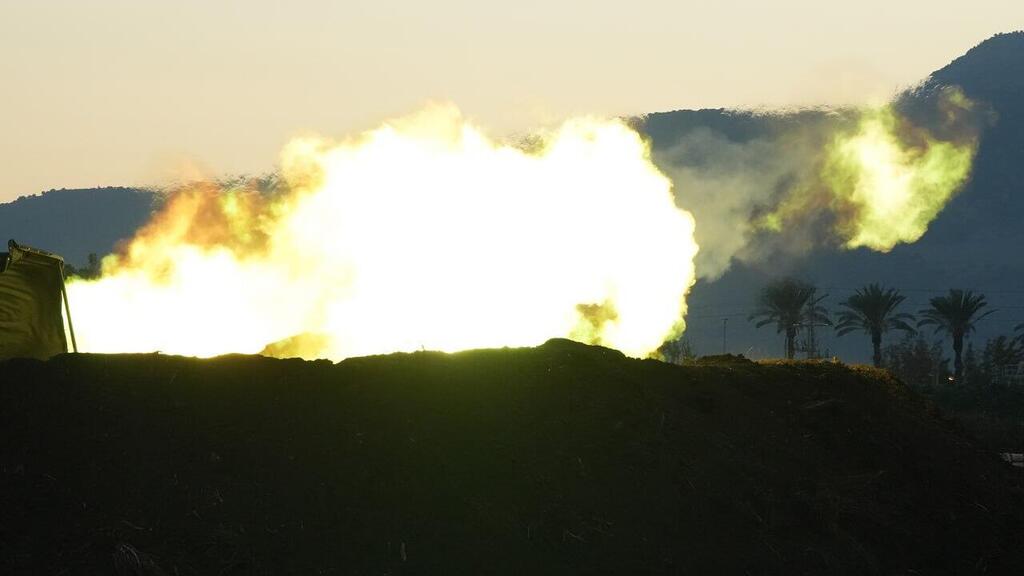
563 459
992 70
75 223
666 128
992 74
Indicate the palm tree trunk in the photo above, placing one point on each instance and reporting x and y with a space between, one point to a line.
958 362
876 344
790 343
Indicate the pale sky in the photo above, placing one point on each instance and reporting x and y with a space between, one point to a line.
129 92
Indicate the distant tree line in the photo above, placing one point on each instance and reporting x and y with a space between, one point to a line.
795 307
88 272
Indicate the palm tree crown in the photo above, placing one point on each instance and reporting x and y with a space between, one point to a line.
955 314
789 303
872 310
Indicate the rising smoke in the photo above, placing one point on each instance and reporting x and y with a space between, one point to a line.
872 177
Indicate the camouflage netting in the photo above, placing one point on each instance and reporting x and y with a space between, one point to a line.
31 320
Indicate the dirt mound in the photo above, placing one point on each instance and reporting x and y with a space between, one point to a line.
562 459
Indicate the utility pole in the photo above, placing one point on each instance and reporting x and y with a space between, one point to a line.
812 342
725 332
809 342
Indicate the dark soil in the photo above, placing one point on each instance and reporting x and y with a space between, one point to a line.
563 459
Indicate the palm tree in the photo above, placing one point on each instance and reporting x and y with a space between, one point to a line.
789 304
872 310
955 314
1020 329
1001 353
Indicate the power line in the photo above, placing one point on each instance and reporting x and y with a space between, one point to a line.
1015 292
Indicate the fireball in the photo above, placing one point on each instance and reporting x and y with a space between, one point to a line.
423 233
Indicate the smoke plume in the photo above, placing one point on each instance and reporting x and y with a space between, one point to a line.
871 177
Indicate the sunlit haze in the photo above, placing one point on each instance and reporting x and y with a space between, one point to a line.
113 92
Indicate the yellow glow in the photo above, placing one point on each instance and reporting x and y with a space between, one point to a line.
886 191
884 180
422 233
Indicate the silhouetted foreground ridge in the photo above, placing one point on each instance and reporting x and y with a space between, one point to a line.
561 459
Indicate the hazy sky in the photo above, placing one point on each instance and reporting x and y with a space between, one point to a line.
128 92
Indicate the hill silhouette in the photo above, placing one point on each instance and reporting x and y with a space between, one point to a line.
561 459
75 223
992 73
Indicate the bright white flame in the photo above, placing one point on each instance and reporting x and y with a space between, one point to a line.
422 233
